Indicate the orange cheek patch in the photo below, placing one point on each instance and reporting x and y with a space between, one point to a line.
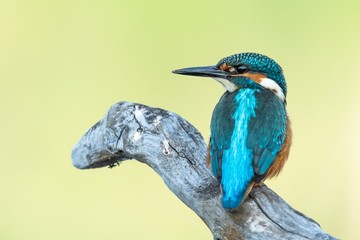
225 67
256 77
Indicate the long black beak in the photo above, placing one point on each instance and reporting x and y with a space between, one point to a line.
207 71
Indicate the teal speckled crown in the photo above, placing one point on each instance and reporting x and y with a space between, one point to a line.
260 63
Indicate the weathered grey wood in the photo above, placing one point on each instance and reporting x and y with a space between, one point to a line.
176 151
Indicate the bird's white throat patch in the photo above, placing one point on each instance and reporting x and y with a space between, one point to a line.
229 86
273 86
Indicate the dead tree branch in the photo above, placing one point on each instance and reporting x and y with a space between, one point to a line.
176 151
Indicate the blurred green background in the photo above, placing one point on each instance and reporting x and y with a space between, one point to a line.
64 63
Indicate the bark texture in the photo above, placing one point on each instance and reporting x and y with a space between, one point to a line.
176 151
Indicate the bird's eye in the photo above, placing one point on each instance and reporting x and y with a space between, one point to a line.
241 69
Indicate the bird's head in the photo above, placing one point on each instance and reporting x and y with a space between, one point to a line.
244 70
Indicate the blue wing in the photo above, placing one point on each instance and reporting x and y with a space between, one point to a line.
266 132
222 125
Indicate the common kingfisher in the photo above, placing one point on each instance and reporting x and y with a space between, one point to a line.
250 135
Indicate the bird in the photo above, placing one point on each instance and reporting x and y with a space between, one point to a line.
250 130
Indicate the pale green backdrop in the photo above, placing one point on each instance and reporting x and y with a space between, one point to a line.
64 63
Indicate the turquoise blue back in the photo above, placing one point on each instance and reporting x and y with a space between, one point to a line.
247 131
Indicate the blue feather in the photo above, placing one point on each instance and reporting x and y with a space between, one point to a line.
236 158
266 132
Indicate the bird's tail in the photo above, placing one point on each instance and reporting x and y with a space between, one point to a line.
231 202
